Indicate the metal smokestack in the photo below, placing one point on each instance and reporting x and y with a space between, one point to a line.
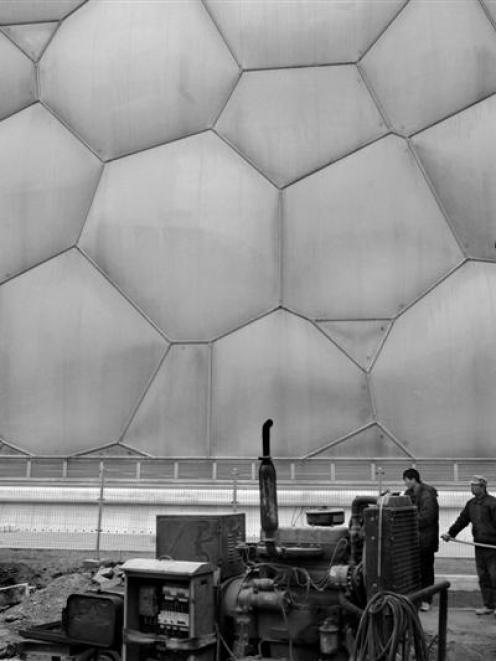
267 482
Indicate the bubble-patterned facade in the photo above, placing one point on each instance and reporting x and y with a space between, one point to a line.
212 213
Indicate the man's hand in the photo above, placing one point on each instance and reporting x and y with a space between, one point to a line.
446 537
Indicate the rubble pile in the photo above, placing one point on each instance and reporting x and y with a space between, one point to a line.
110 578
46 604
29 597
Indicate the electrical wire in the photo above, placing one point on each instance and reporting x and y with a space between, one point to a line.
297 514
217 643
390 630
287 576
333 557
290 636
221 638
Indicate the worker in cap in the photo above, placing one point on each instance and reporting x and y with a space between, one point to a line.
424 497
480 511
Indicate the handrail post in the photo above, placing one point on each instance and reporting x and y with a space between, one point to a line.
100 509
235 490
380 472
442 624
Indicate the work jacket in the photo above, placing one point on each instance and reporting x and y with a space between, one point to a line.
425 498
481 513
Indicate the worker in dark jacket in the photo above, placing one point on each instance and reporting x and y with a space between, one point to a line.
425 498
480 511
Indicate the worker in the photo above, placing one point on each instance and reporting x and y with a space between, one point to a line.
424 496
480 511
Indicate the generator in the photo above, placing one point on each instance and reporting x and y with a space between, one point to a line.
295 594
301 593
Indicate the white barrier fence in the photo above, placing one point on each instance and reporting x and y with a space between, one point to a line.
123 518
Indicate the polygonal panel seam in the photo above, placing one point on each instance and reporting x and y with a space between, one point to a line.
435 195
66 124
137 125
141 397
342 361
153 344
224 38
382 32
432 287
242 155
123 294
417 146
375 424
447 113
377 126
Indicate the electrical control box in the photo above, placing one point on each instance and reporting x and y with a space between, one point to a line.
169 610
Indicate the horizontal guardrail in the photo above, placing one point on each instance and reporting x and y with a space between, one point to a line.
229 469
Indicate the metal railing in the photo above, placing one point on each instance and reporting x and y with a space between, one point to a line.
339 470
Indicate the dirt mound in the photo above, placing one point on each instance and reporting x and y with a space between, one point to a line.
19 572
46 605
39 607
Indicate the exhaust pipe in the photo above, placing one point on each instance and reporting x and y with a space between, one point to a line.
269 520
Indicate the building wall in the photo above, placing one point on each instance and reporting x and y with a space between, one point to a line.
214 213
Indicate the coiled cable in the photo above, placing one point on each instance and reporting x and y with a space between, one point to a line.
390 630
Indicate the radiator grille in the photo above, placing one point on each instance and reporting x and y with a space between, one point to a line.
392 559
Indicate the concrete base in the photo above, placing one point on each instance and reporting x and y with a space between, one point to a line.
470 637
464 591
